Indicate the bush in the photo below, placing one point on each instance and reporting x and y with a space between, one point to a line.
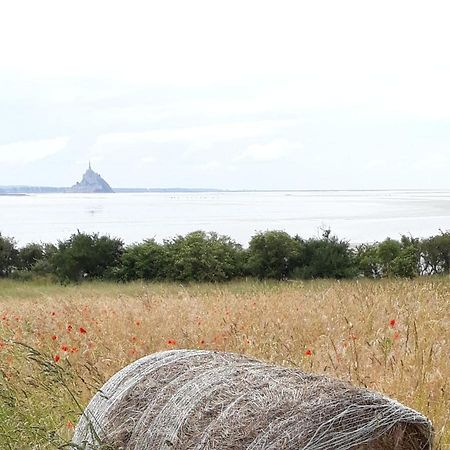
8 256
390 258
367 260
388 250
405 265
30 255
435 253
146 261
87 256
272 254
201 256
327 257
21 275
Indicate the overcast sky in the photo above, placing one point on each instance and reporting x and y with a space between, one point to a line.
226 94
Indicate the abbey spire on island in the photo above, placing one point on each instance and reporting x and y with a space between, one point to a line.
92 182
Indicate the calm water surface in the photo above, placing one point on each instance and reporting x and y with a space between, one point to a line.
359 216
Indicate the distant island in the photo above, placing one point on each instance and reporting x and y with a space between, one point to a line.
91 183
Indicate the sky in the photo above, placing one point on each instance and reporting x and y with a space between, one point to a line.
231 95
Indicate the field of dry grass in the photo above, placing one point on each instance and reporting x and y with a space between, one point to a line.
59 344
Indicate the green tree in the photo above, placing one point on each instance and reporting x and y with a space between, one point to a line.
44 266
147 261
368 261
201 256
8 256
272 254
388 250
87 256
327 257
30 255
435 252
405 265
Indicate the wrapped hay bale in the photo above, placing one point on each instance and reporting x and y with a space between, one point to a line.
201 400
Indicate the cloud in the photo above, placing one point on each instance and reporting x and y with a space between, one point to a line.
208 165
149 159
271 151
214 133
23 152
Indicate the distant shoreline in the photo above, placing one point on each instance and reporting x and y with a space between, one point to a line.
26 190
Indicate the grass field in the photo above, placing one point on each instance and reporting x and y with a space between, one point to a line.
59 344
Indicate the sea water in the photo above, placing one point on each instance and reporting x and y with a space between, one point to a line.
357 216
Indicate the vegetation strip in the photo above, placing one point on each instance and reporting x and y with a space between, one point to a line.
201 256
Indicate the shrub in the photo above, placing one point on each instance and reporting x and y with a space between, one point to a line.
201 256
86 256
405 265
388 250
367 260
30 255
8 256
435 253
146 261
272 254
327 257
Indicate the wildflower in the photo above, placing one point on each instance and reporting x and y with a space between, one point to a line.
70 425
69 328
83 330
202 342
138 323
56 358
54 338
171 342
133 338
53 314
73 350
64 348
308 352
392 323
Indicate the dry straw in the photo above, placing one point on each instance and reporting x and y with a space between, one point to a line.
194 400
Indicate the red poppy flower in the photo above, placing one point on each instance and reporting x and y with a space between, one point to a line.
69 328
70 425
73 350
172 342
308 352
64 348
54 338
82 330
56 358
392 323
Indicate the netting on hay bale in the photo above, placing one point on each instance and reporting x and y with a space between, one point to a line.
203 400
